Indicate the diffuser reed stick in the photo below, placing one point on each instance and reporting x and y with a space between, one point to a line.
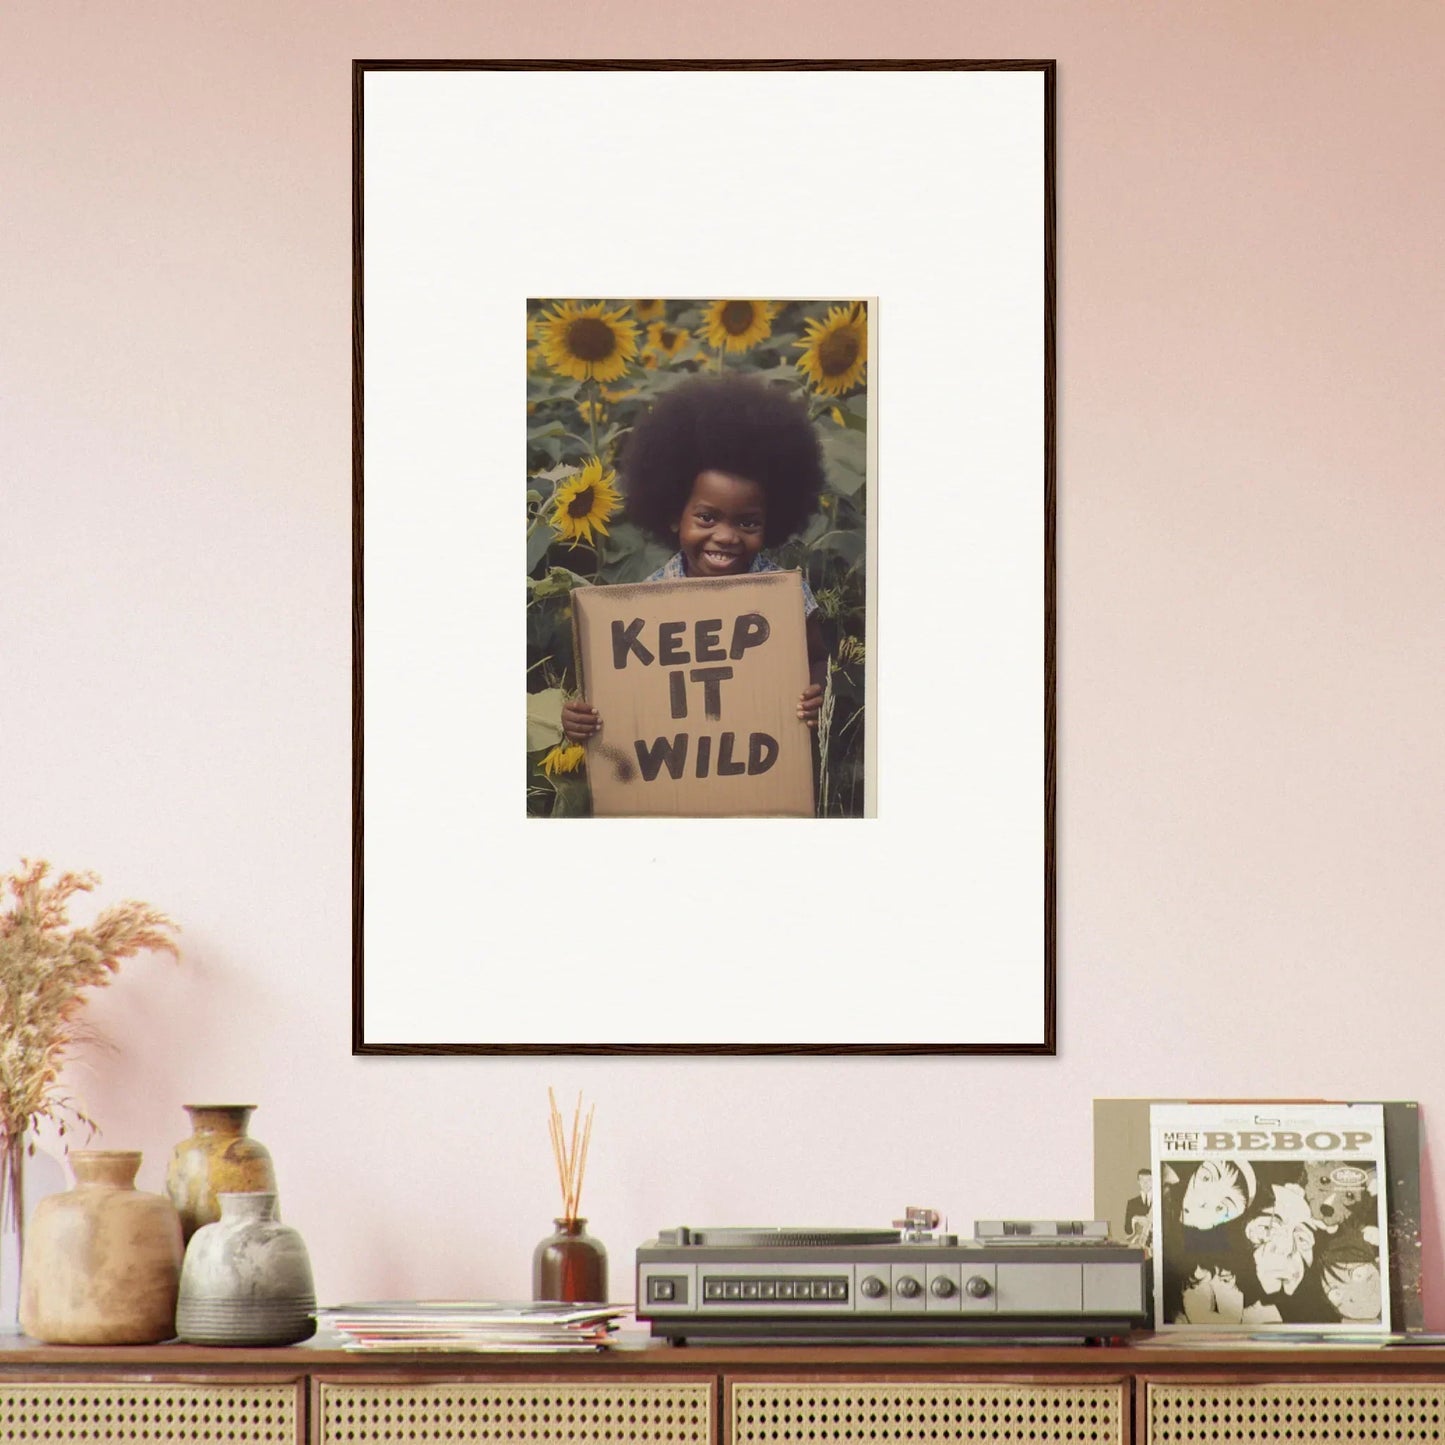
570 1152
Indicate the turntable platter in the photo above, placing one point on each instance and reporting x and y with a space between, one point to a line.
784 1237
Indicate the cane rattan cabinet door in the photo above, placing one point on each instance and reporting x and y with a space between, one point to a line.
893 1412
1373 1412
96 1412
560 1412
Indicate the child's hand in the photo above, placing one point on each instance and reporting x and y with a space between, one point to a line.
579 721
808 704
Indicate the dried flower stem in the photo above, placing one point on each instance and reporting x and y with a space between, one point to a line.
47 968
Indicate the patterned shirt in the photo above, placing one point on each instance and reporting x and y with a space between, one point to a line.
676 567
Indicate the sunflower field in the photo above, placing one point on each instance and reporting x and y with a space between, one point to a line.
593 369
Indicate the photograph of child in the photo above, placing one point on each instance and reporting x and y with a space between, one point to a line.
677 439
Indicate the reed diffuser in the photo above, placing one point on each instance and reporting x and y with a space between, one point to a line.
570 1266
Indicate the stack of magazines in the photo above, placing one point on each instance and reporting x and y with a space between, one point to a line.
472 1325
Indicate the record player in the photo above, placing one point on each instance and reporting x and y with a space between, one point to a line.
1020 1279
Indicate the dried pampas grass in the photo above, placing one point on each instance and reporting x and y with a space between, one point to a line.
46 969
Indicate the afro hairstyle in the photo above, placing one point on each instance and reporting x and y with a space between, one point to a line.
734 424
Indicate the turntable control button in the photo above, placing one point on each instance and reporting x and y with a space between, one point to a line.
767 1289
750 1289
908 1287
978 1286
873 1287
942 1287
785 1289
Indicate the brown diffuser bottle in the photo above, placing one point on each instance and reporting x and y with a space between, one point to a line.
569 1265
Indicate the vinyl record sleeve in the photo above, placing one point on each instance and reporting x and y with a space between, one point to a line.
1270 1218
1123 1188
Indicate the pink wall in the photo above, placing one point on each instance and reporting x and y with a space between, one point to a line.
1251 599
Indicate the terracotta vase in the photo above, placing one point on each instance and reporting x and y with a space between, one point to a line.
103 1261
246 1279
570 1265
219 1158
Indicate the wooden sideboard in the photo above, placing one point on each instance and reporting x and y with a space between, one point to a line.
652 1394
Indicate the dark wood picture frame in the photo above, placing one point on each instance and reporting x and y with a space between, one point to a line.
388 1039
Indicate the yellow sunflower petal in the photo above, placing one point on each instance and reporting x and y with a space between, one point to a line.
587 343
585 503
665 340
737 325
564 758
835 350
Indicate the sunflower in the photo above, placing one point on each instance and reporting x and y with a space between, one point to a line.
737 325
835 350
588 343
564 758
590 411
664 340
649 310
585 502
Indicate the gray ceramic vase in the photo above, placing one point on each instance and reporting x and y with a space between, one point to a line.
246 1279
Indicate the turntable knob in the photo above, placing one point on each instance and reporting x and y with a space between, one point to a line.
978 1286
908 1287
942 1287
872 1286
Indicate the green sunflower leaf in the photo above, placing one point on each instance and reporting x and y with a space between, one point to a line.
636 565
846 460
544 719
621 538
847 545
574 797
557 583
538 540
819 524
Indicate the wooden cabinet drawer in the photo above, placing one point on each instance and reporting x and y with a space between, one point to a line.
542 1413
901 1412
1270 1413
88 1412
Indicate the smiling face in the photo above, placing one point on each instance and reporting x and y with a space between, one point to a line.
722 524
1215 1194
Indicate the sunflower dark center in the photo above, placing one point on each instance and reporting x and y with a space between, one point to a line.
668 338
838 351
581 504
737 316
589 339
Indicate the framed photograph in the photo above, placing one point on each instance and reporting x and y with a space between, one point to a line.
717 810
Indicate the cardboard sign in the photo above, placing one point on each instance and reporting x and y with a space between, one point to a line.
697 683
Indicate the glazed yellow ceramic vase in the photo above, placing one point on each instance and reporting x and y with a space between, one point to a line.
220 1157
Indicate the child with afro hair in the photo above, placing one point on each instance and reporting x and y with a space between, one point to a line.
721 467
